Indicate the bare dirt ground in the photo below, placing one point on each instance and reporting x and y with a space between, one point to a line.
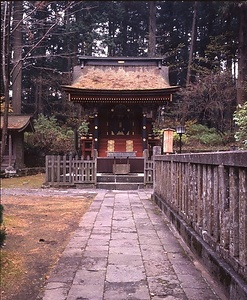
39 223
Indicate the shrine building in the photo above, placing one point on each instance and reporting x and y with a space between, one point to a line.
122 97
13 158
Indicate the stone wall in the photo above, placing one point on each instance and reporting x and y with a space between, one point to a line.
205 196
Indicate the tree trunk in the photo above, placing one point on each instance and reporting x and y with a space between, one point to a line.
242 55
17 57
193 36
5 70
152 29
38 95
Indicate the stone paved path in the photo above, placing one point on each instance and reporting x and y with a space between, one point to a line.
124 249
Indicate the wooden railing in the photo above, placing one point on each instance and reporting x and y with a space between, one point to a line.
68 170
148 172
208 192
148 169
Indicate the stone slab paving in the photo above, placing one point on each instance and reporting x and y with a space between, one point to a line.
124 249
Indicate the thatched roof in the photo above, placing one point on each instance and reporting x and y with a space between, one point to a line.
18 123
125 80
121 78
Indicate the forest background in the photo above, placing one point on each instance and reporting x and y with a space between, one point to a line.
203 42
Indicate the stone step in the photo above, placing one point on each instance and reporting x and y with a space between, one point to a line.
111 178
120 186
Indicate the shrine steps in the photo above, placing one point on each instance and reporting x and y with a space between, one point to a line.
131 181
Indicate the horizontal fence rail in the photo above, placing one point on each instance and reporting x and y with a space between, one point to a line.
208 192
68 170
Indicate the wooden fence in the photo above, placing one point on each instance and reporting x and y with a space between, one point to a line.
148 169
66 170
148 172
208 193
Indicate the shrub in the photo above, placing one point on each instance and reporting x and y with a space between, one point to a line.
49 137
83 128
203 135
210 138
176 138
240 118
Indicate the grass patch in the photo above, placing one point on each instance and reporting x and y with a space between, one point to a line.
11 221
38 227
34 181
12 269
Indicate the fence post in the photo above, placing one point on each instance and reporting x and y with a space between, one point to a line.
243 216
234 212
58 173
71 170
224 207
145 155
47 168
64 168
52 168
156 151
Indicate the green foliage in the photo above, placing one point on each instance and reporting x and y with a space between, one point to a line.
157 131
49 137
200 134
240 118
2 228
176 138
83 128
